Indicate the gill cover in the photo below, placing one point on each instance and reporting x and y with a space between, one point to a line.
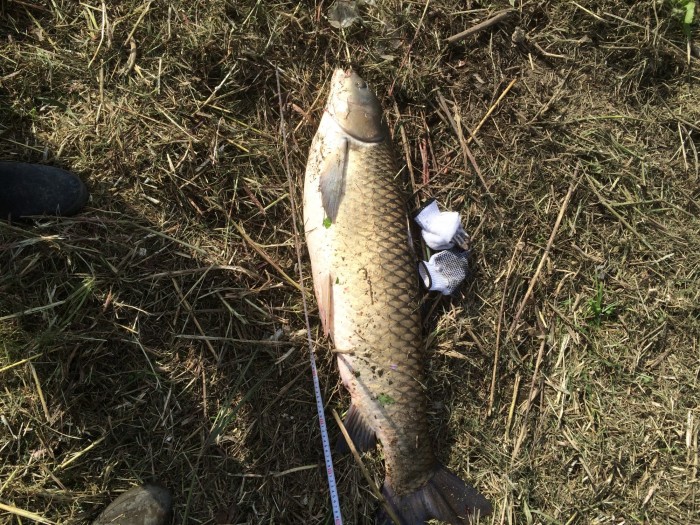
355 108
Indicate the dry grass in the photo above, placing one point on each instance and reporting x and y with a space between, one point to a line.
157 336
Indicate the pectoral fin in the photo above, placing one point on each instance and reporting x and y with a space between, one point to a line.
332 180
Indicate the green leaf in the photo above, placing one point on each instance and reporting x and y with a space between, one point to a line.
327 222
689 13
385 399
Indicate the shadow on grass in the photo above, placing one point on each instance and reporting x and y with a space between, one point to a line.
114 381
143 339
131 355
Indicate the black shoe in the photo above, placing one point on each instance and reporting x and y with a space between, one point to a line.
35 189
144 505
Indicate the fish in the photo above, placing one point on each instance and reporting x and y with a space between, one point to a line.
366 287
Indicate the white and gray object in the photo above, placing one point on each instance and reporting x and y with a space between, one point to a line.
445 270
442 231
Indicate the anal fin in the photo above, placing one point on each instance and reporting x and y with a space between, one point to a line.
363 437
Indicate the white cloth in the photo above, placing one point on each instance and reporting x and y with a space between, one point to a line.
439 228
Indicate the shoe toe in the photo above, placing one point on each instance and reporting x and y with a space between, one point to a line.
142 505
36 189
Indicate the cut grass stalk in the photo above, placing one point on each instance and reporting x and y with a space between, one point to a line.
19 363
21 513
40 392
545 254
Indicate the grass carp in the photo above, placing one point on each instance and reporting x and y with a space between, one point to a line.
365 281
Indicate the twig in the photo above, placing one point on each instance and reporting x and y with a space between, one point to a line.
455 122
530 397
372 485
472 161
570 323
201 269
144 10
259 342
551 100
188 307
673 46
407 154
495 19
265 256
102 34
538 363
164 236
31 6
216 90
75 456
513 401
25 514
407 54
493 106
533 280
131 62
33 310
509 271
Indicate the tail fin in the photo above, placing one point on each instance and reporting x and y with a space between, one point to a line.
444 497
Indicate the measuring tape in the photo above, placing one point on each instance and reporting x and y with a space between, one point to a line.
335 502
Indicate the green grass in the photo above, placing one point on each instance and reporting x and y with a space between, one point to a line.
685 11
160 335
599 309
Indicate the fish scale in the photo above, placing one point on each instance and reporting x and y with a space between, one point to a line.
366 286
377 272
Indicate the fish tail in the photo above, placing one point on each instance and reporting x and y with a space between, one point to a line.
444 497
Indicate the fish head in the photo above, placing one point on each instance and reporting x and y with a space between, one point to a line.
355 108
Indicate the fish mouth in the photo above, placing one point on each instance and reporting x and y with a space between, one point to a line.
355 107
343 78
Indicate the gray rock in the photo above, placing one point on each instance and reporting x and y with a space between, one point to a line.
144 505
